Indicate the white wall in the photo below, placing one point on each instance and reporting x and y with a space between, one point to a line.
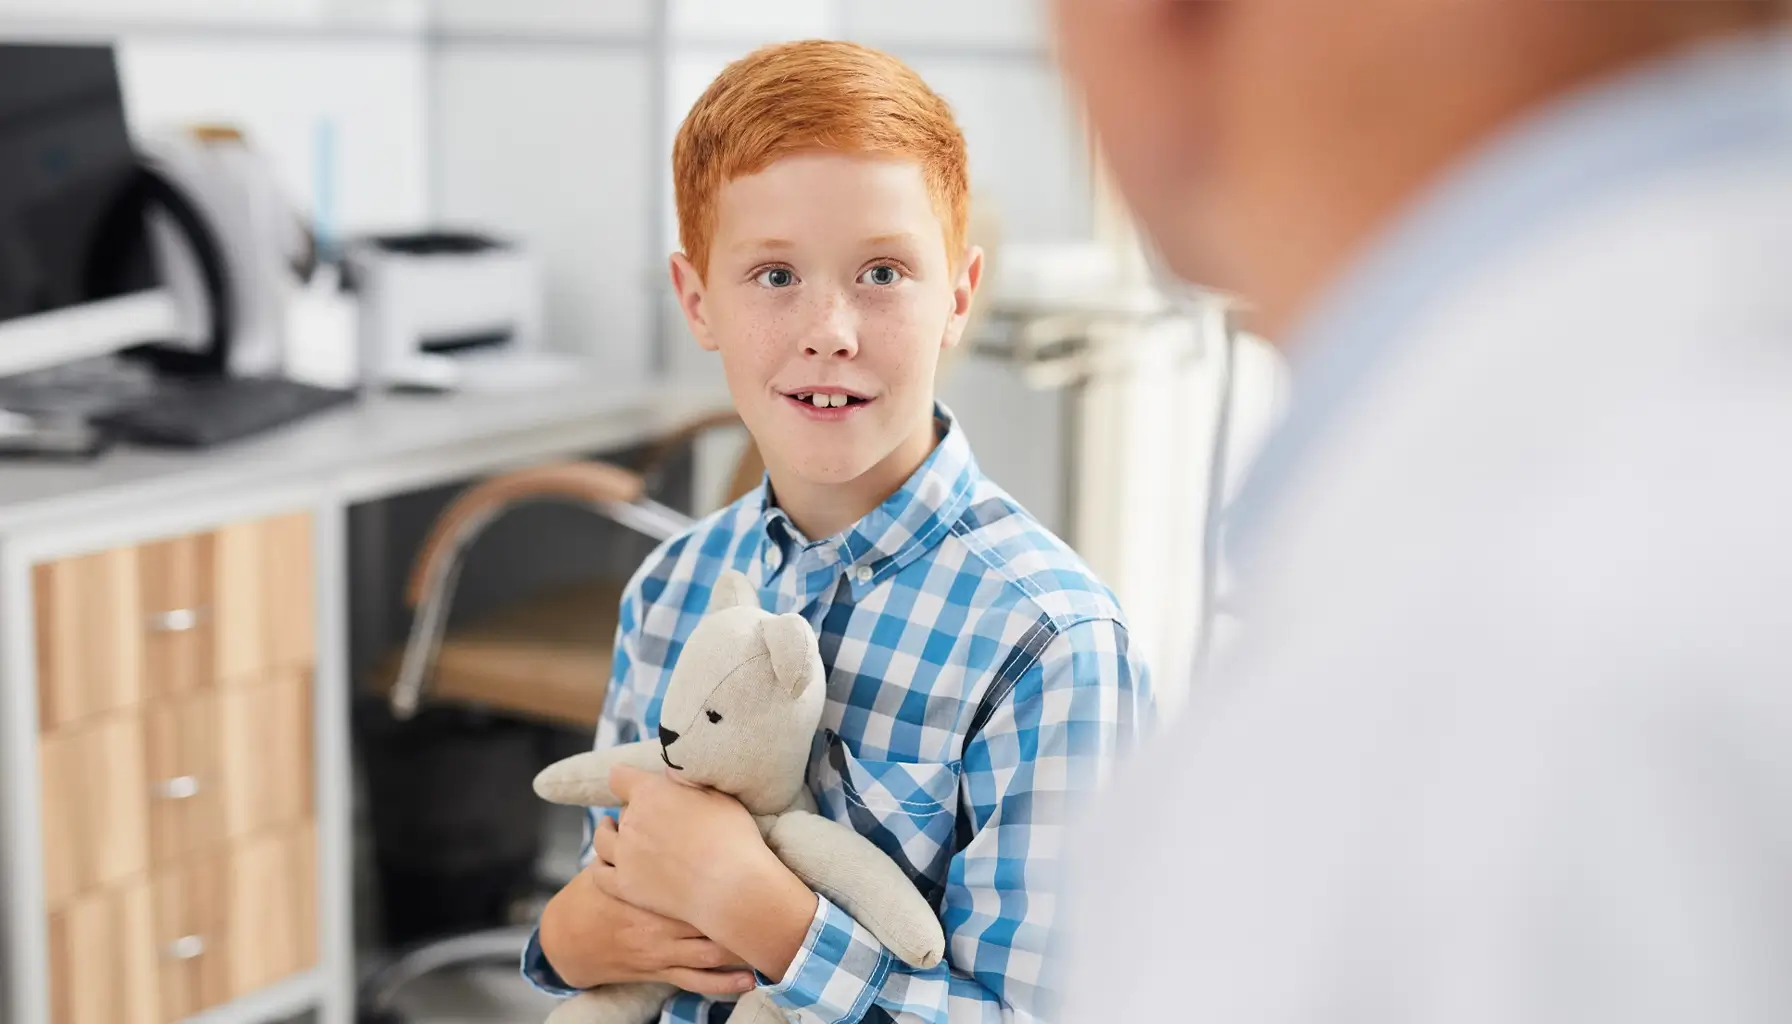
287 71
552 120
535 142
542 128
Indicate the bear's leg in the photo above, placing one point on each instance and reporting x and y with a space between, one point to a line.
757 1008
614 1004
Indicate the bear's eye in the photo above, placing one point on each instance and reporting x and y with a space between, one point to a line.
714 717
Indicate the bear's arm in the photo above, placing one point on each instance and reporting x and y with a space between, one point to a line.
583 780
860 879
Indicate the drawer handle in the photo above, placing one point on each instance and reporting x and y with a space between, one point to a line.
179 620
181 787
187 947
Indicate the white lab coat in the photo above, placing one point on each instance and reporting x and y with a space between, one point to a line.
1509 736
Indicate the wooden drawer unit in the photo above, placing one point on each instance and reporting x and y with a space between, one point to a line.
271 907
95 805
171 617
175 750
103 958
160 949
266 752
188 776
178 595
192 945
90 634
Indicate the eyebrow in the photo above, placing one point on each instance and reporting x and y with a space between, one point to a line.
900 236
784 244
766 243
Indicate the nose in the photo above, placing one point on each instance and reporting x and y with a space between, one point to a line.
835 334
667 737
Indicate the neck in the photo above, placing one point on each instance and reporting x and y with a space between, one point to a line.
1308 228
820 509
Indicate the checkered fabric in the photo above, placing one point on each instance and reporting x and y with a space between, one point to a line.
979 681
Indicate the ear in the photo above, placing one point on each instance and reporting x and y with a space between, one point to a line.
792 646
688 283
964 292
733 590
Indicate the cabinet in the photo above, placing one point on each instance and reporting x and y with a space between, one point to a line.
175 749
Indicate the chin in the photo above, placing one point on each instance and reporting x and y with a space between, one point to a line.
831 469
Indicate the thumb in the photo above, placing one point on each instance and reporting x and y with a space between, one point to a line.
624 779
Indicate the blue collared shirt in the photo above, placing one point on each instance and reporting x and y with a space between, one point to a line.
946 600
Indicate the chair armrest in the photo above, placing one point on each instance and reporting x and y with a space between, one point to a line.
612 491
591 483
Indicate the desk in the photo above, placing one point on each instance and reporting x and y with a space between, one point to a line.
174 695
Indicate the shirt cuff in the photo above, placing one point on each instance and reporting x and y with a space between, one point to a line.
540 973
837 971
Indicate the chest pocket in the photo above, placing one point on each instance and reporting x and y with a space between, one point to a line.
908 809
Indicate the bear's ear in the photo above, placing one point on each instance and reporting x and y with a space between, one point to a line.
733 590
792 646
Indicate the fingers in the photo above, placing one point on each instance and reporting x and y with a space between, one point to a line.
710 983
704 955
674 930
603 840
604 877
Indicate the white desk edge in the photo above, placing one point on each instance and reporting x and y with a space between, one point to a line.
382 445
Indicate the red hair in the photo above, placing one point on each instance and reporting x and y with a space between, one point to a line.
807 96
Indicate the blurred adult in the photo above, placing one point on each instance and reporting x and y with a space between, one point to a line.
1508 735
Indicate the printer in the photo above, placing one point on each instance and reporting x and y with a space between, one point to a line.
441 309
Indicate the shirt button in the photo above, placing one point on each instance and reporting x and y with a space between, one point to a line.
772 559
863 573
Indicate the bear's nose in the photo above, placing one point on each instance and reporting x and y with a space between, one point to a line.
667 737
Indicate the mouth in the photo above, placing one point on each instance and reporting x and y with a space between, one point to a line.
826 403
667 758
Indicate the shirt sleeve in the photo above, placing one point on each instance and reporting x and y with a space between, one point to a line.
1080 706
615 725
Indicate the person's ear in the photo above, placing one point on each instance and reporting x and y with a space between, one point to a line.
964 293
688 283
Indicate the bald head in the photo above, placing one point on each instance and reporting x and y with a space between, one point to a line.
1261 144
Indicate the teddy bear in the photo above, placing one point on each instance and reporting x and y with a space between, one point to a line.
739 716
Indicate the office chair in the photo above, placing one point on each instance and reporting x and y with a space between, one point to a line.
545 659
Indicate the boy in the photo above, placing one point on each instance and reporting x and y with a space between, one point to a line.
979 677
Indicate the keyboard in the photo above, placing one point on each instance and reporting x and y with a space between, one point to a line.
190 412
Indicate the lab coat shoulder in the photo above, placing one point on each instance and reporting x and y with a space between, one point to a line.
1520 664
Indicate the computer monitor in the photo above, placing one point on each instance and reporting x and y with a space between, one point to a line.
78 272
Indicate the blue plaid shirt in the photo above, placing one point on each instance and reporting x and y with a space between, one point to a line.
979 680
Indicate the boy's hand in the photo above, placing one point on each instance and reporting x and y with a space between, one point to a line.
696 855
681 849
593 936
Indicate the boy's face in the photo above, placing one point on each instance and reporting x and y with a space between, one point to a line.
830 296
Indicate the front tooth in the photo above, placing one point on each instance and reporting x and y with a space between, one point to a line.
821 401
839 400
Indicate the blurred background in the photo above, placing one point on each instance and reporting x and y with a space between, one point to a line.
439 229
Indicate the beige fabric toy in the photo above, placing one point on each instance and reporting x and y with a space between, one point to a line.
739 716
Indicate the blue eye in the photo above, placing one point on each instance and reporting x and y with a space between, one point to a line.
883 275
776 277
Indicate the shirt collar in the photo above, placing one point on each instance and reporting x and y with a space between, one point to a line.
908 523
1706 102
